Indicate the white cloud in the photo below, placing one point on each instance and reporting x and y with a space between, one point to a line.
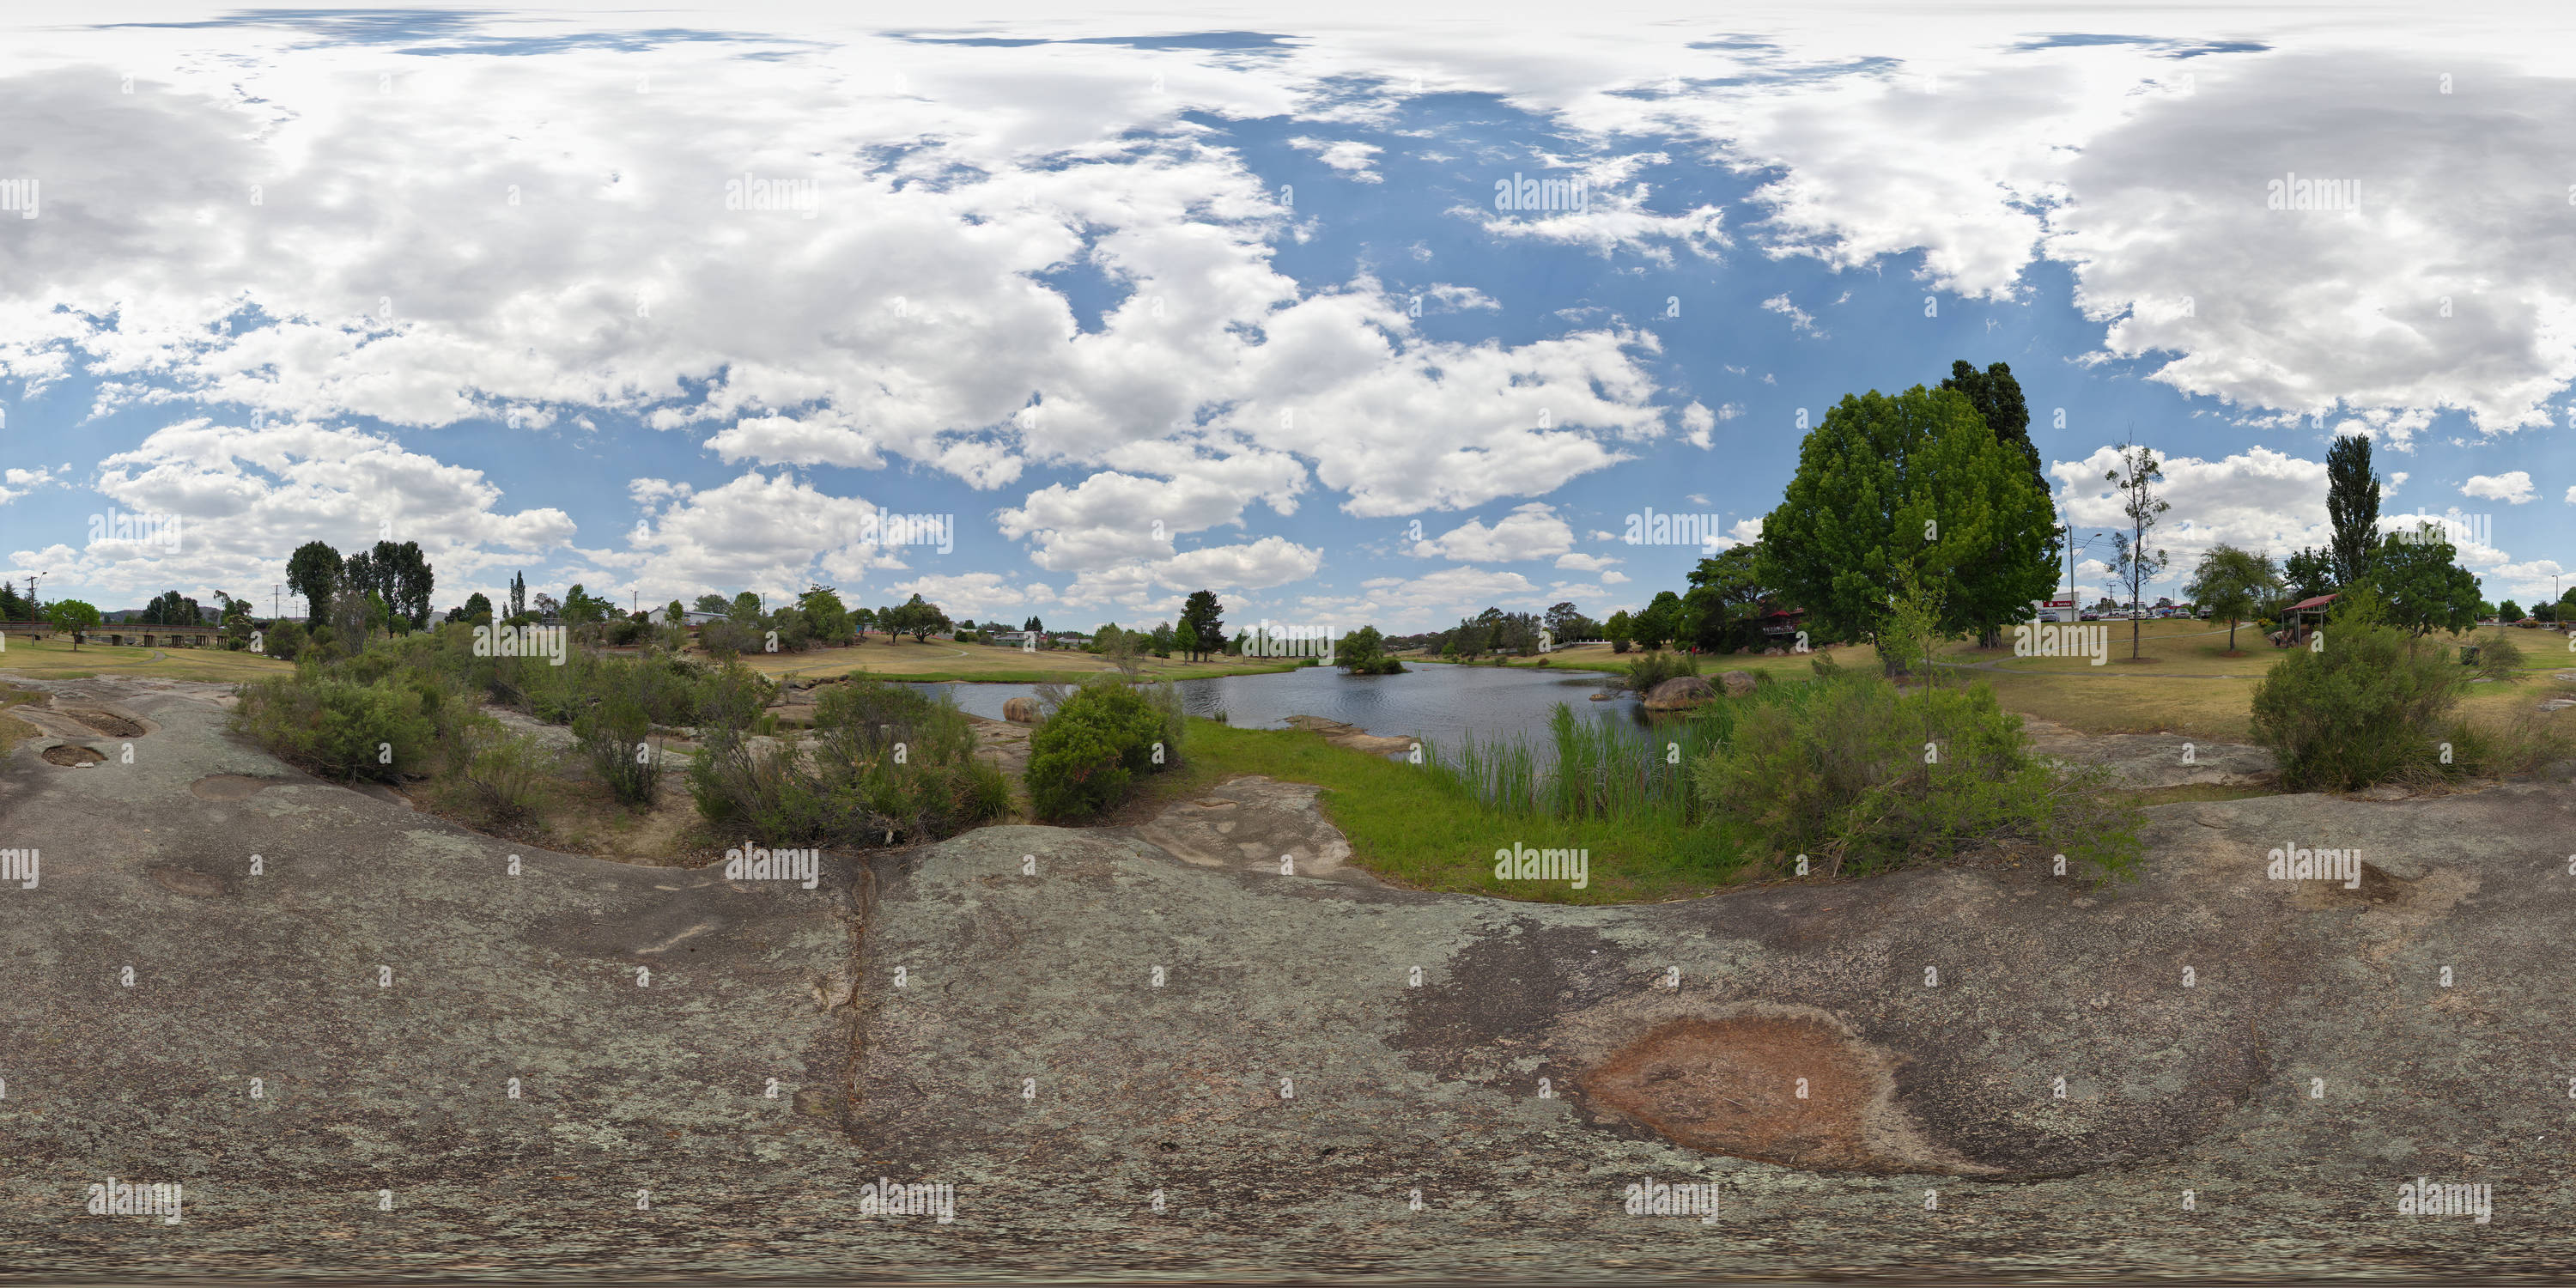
247 497
1799 319
2512 487
1529 532
1349 156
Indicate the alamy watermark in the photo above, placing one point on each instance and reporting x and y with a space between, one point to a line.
881 529
752 864
1521 863
2295 863
161 530
885 1198
1568 195
1290 639
1654 529
20 866
797 196
1657 1198
113 1197
19 195
2056 639
2424 1196
2291 192
520 641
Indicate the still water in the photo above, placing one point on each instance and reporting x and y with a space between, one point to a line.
1431 701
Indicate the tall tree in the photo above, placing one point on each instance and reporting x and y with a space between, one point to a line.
1655 627
518 593
1206 618
1918 480
311 572
2352 506
2132 561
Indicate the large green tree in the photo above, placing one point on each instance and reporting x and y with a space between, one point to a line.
1997 398
1206 619
2423 589
1662 618
1913 479
1725 594
311 572
2352 506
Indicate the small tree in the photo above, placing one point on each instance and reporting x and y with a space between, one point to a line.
2131 561
72 617
2233 583
2509 611
1654 627
1619 630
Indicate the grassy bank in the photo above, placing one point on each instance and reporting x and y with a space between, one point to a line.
1411 829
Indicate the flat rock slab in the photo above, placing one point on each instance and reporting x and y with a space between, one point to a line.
2145 761
1120 1061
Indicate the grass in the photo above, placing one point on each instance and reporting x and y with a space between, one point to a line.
1412 829
2187 684
941 661
53 659
12 729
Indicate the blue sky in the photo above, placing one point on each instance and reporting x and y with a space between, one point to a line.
1146 308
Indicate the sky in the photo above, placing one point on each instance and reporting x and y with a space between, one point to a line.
1069 314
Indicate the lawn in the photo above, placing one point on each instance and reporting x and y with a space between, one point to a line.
53 659
942 660
1413 831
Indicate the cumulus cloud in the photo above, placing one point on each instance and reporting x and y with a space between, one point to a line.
2512 487
245 497
1529 532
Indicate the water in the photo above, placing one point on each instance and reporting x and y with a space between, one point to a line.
1430 701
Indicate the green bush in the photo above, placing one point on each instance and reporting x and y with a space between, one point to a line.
885 766
1838 769
503 775
339 729
2372 704
616 737
1095 744
2500 659
1658 666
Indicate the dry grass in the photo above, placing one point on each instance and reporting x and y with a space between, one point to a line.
53 659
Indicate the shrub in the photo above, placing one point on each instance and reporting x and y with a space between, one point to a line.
728 640
2367 707
284 640
1094 745
616 737
339 729
1836 769
503 774
886 765
1658 666
2500 659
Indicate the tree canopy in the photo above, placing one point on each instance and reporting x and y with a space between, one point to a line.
1913 479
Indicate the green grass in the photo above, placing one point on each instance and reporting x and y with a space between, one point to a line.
1412 828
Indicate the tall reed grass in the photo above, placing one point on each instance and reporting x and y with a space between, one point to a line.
1600 770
